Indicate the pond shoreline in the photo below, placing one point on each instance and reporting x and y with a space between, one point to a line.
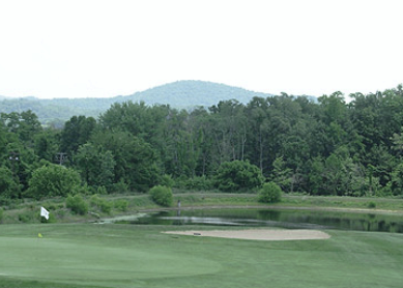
276 207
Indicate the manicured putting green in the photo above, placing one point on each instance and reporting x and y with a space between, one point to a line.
72 261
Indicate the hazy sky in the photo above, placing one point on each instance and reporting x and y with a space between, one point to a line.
57 48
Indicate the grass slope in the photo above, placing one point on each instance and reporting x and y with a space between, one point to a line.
89 255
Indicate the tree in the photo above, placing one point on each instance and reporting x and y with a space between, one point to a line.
25 125
77 131
96 165
135 159
397 180
238 175
52 181
9 188
46 144
281 174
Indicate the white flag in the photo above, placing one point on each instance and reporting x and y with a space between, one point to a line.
45 213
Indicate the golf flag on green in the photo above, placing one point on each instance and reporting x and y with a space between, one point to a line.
45 213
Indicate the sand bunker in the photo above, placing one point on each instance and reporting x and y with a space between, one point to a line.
258 234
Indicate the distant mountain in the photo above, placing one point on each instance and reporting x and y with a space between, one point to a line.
191 93
180 95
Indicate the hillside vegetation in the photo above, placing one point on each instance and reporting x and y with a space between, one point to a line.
326 147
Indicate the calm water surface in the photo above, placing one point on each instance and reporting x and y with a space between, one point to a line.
291 219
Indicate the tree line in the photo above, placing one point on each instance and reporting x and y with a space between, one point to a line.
324 147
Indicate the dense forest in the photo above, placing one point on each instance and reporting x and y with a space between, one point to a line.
324 147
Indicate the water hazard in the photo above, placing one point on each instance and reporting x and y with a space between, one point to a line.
290 219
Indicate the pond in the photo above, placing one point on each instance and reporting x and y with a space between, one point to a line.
283 218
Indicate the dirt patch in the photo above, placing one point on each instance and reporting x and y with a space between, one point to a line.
258 234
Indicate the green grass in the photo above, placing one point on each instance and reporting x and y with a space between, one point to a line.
27 211
89 255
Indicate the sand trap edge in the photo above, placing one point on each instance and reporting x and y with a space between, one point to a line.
257 234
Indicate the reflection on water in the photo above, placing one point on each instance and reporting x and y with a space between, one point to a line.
291 219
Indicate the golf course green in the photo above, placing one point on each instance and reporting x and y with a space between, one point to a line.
91 255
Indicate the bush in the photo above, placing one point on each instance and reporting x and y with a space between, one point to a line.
82 189
198 183
101 190
52 219
162 195
120 187
238 175
24 218
121 205
77 204
52 181
372 205
102 204
270 193
166 180
1 215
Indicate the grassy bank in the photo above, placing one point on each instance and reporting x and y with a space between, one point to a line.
26 211
88 255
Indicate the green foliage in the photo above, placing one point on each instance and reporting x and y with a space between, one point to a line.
76 132
372 205
121 205
8 186
270 193
238 175
161 195
96 165
101 190
82 189
1 215
77 204
24 218
198 183
52 219
135 159
328 147
102 204
166 180
53 181
281 174
120 187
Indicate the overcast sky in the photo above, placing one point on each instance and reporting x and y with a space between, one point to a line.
57 48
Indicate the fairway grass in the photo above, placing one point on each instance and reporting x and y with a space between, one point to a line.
90 255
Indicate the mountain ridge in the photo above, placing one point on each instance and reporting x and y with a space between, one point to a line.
184 94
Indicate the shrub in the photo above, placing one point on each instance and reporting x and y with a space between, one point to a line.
82 189
121 205
238 175
166 180
198 183
120 187
4 201
101 190
77 204
372 205
102 204
270 193
24 218
52 219
162 195
52 181
1 215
